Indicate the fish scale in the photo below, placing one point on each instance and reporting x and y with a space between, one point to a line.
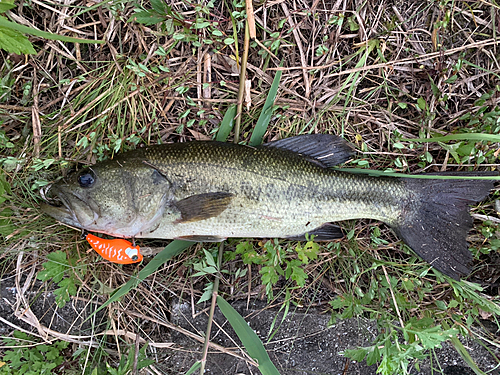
209 191
270 181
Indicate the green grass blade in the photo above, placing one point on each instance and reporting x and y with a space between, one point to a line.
352 79
481 68
171 250
226 125
250 340
458 137
42 34
375 173
459 347
286 306
193 368
265 116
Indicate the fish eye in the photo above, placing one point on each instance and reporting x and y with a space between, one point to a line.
86 178
135 257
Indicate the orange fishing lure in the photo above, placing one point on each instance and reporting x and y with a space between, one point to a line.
117 251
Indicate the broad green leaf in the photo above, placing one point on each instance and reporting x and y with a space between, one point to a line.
452 79
432 337
143 360
421 104
210 259
55 267
295 272
265 116
338 303
159 6
353 25
5 5
248 337
373 356
67 288
452 149
269 274
309 251
58 269
356 354
13 41
441 305
5 23
201 25
435 90
147 17
227 124
207 293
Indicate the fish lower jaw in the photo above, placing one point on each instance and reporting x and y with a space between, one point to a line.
133 231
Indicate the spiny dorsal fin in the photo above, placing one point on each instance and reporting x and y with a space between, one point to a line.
202 206
326 149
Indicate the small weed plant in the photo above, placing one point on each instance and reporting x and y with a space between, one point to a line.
276 260
27 357
175 24
60 269
410 327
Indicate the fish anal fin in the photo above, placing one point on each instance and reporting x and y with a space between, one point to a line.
324 149
326 232
201 238
202 206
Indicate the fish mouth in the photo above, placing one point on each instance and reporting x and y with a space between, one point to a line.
67 207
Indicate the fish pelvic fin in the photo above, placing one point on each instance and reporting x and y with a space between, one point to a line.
326 232
202 206
436 222
201 238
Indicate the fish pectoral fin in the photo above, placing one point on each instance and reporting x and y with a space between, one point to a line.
326 232
324 149
201 238
202 206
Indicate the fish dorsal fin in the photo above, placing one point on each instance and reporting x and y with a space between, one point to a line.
325 149
202 206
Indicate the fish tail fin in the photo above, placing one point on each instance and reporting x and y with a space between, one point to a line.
435 223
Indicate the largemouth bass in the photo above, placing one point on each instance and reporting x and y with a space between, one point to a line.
209 191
